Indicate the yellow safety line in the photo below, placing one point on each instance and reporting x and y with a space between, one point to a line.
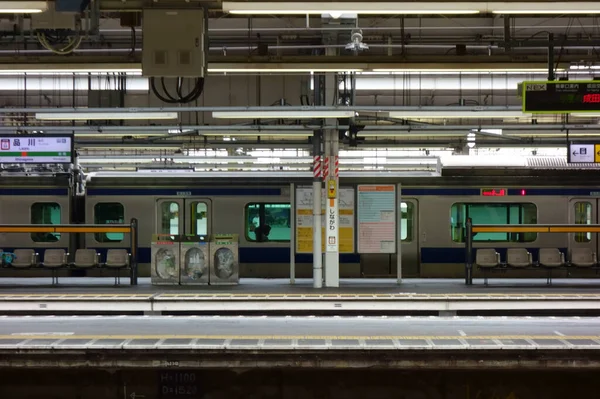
208 296
301 337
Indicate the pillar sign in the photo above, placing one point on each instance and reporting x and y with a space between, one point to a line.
331 233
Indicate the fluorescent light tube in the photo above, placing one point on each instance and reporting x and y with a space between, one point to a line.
263 133
72 116
281 114
241 68
457 114
337 9
586 114
566 7
22 7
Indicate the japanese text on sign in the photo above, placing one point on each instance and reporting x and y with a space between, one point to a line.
376 219
304 220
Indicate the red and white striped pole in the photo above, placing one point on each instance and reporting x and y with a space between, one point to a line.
326 169
317 167
337 167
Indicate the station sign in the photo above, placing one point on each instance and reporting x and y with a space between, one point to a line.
584 153
561 97
36 149
342 238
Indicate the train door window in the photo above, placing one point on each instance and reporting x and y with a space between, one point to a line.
406 227
268 222
109 213
495 213
199 218
45 213
169 221
583 215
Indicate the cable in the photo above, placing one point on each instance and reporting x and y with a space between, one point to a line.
54 40
182 99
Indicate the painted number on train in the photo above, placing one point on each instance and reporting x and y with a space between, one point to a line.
184 193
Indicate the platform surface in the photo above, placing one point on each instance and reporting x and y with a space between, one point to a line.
264 333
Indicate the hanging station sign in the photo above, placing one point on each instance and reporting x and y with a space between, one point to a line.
36 149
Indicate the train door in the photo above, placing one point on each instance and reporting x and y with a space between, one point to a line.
184 216
410 237
584 211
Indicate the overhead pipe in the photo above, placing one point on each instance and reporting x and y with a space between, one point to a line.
292 108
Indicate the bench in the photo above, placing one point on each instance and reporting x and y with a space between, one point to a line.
58 259
550 259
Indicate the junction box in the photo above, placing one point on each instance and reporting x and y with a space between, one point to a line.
173 43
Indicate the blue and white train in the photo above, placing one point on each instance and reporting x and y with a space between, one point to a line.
434 211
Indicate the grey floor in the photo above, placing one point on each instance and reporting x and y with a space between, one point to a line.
266 332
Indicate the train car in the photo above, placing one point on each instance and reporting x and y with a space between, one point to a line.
434 211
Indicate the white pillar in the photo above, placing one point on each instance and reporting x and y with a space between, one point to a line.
332 217
317 210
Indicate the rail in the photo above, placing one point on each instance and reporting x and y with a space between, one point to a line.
511 228
131 229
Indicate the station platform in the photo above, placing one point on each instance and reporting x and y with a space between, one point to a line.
216 341
418 296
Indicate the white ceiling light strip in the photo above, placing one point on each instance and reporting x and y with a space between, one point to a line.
457 114
73 116
282 114
409 8
23 7
337 9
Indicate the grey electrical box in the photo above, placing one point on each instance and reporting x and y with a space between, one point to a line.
52 19
173 43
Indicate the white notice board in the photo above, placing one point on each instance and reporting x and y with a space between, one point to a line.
376 219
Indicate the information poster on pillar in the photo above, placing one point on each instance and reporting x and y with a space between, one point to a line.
376 219
304 220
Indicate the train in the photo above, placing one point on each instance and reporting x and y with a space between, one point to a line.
434 210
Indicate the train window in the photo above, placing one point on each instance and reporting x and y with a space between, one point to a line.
45 213
109 213
406 227
494 213
199 218
169 221
268 222
583 215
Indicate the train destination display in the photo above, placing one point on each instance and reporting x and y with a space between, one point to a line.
304 220
36 149
376 219
561 97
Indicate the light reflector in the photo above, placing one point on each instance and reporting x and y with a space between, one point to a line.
457 114
337 9
281 114
74 116
22 7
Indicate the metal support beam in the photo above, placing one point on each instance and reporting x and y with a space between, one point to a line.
551 75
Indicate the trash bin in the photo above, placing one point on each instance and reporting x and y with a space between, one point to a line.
224 259
165 259
195 260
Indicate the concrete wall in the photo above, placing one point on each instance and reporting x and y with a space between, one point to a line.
297 384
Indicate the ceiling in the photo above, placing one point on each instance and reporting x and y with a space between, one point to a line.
435 60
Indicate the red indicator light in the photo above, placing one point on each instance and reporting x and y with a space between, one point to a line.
493 192
591 99
523 192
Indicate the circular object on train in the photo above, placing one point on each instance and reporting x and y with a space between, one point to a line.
165 264
224 260
195 265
